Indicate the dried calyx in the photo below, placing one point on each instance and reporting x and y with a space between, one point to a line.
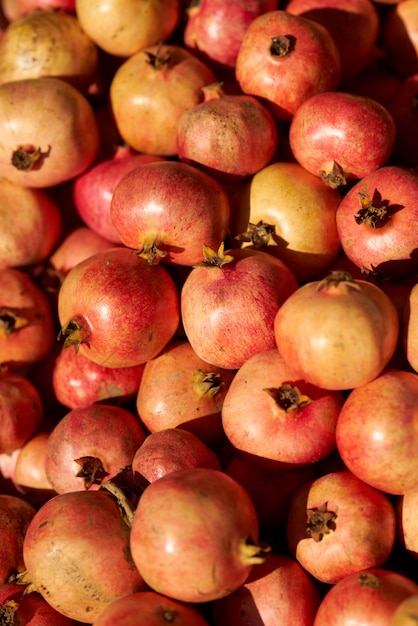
259 235
288 397
320 522
335 178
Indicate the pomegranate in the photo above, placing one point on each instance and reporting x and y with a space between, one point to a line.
219 548
27 331
194 392
376 222
399 38
93 189
77 245
21 410
295 422
340 136
376 432
403 108
151 90
169 450
20 608
285 59
338 525
338 332
370 596
288 212
31 225
167 210
77 556
143 301
126 26
230 137
15 516
91 444
148 608
227 285
214 31
353 24
279 591
78 381
48 43
49 131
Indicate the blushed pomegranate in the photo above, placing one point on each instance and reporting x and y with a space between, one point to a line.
143 301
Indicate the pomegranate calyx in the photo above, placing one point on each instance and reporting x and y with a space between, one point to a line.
207 383
7 612
367 579
92 471
151 252
254 553
126 509
320 522
214 258
74 334
260 234
288 397
12 319
335 178
337 277
373 212
282 45
158 60
24 157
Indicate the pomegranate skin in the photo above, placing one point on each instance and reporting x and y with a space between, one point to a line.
76 552
143 301
194 535
230 137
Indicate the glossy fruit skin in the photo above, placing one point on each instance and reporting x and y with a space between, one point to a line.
340 336
389 248
284 436
354 25
354 131
108 433
311 66
171 204
148 608
378 421
142 298
278 591
214 31
188 525
78 381
93 189
50 114
127 26
361 535
58 547
169 450
220 331
147 98
194 392
301 210
48 43
371 595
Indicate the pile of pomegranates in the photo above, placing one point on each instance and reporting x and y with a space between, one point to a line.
209 312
